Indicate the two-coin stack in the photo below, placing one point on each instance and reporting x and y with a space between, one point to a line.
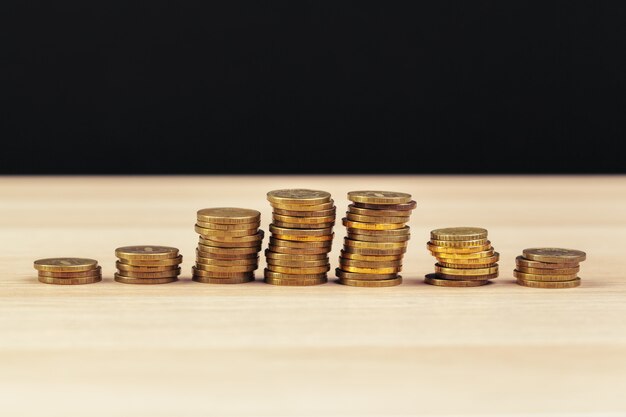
68 271
377 238
229 245
465 257
549 268
302 237
146 264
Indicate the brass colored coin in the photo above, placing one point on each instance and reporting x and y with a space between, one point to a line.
227 251
433 280
228 227
544 277
229 244
545 271
299 271
374 245
339 273
369 264
440 250
404 231
70 281
549 284
331 212
295 282
277 230
379 197
249 249
279 275
148 262
467 277
229 269
146 253
301 226
227 262
371 258
358 270
527 263
133 268
298 196
459 233
460 243
378 213
469 263
470 271
556 255
404 206
372 219
150 275
81 274
65 264
371 226
228 215
208 280
290 257
144 281
256 237
297 264
371 283
304 207
226 256
370 238
365 251
298 251
466 266
218 274
298 244
307 219
301 238
210 233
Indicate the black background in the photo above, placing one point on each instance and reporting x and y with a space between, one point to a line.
313 87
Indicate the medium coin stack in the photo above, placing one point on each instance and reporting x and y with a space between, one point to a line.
465 257
229 245
377 238
549 268
302 237
147 264
68 271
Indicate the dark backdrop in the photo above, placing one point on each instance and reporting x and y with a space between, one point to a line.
313 87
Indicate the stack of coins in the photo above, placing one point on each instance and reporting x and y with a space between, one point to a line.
229 245
377 238
147 264
549 268
302 237
465 257
68 271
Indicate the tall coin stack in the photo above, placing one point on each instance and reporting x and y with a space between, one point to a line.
377 238
465 257
68 271
229 245
147 264
302 237
549 268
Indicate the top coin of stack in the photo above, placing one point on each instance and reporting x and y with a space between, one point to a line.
465 257
302 237
549 268
146 264
68 271
229 245
377 238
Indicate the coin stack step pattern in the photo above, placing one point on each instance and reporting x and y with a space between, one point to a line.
229 245
465 257
146 264
68 271
549 268
302 237
377 238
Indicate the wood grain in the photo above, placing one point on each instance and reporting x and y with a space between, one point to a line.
190 349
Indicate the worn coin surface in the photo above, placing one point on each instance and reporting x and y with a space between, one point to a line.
459 233
557 255
379 197
298 196
65 264
228 215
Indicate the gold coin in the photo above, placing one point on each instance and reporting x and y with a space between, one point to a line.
460 243
228 215
65 264
371 226
544 277
545 271
304 220
467 266
369 264
527 263
300 264
228 227
144 281
298 196
371 258
277 230
298 251
291 257
331 212
339 273
298 244
149 262
146 253
304 207
370 238
549 284
227 262
404 206
459 233
366 251
433 280
379 197
279 275
256 237
378 213
81 274
467 277
301 226
403 231
211 233
556 255
469 263
229 244
374 245
202 245
149 275
440 250
227 251
371 219
208 280
218 274
301 238
455 257
371 283
295 282
358 270
471 271
70 281
229 269
297 270
133 268
225 256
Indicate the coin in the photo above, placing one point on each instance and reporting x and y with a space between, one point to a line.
304 207
549 284
379 197
295 282
371 238
527 263
230 243
228 215
298 251
545 271
403 231
459 233
303 220
280 275
70 281
299 244
374 245
147 275
405 206
370 264
160 262
80 274
227 262
218 274
277 230
148 281
229 227
366 251
299 270
556 255
339 273
306 264
472 271
224 233
371 226
209 280
469 263
481 243
316 213
358 270
544 277
372 258
433 280
294 257
304 238
467 253
227 251
298 196
65 264
379 219
371 284
378 213
467 277
466 266
146 252
303 225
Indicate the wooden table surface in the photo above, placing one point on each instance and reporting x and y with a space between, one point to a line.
190 349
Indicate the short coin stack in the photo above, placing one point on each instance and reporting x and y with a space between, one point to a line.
377 238
549 268
145 264
302 237
465 257
68 271
229 245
